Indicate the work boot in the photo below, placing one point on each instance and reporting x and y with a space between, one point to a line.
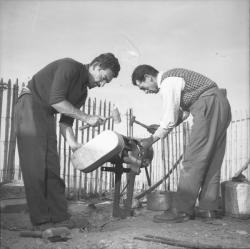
73 222
43 226
208 214
173 216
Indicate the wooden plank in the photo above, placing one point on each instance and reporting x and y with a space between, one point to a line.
112 128
168 159
179 153
81 173
58 132
163 160
130 192
2 88
131 127
64 158
100 172
241 143
235 165
104 127
178 144
175 155
248 140
116 201
171 179
75 189
12 139
91 180
7 130
128 123
111 174
95 173
185 244
68 176
88 108
184 136
230 151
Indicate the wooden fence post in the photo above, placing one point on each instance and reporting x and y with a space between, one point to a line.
75 192
12 137
163 158
3 86
100 172
7 129
105 173
87 139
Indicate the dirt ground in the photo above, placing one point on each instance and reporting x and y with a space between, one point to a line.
106 232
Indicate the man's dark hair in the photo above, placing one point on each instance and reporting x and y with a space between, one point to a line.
140 72
108 61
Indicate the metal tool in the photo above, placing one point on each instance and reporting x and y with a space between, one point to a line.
185 243
133 120
139 196
150 128
115 115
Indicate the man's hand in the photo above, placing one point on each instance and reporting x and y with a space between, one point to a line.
95 120
146 142
152 128
66 108
68 134
75 146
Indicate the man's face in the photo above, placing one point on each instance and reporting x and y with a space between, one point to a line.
149 85
98 76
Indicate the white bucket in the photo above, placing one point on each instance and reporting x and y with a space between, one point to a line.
236 198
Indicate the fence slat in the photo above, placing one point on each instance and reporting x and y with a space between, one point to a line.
7 130
163 160
75 190
100 172
87 139
12 137
2 87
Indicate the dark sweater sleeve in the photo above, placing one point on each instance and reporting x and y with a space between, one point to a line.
61 82
68 120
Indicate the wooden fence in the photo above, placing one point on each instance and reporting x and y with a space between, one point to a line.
166 151
8 97
78 184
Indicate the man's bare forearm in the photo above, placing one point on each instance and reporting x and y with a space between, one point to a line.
66 108
69 136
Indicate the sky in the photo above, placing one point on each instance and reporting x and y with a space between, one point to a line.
210 37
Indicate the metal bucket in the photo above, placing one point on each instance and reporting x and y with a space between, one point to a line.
235 198
159 200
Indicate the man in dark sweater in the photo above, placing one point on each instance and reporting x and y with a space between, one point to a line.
185 91
60 87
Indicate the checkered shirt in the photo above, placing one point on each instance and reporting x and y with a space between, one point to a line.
195 85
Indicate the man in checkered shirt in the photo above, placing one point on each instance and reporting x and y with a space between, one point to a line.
184 91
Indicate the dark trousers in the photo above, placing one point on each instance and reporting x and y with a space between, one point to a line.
39 161
200 172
